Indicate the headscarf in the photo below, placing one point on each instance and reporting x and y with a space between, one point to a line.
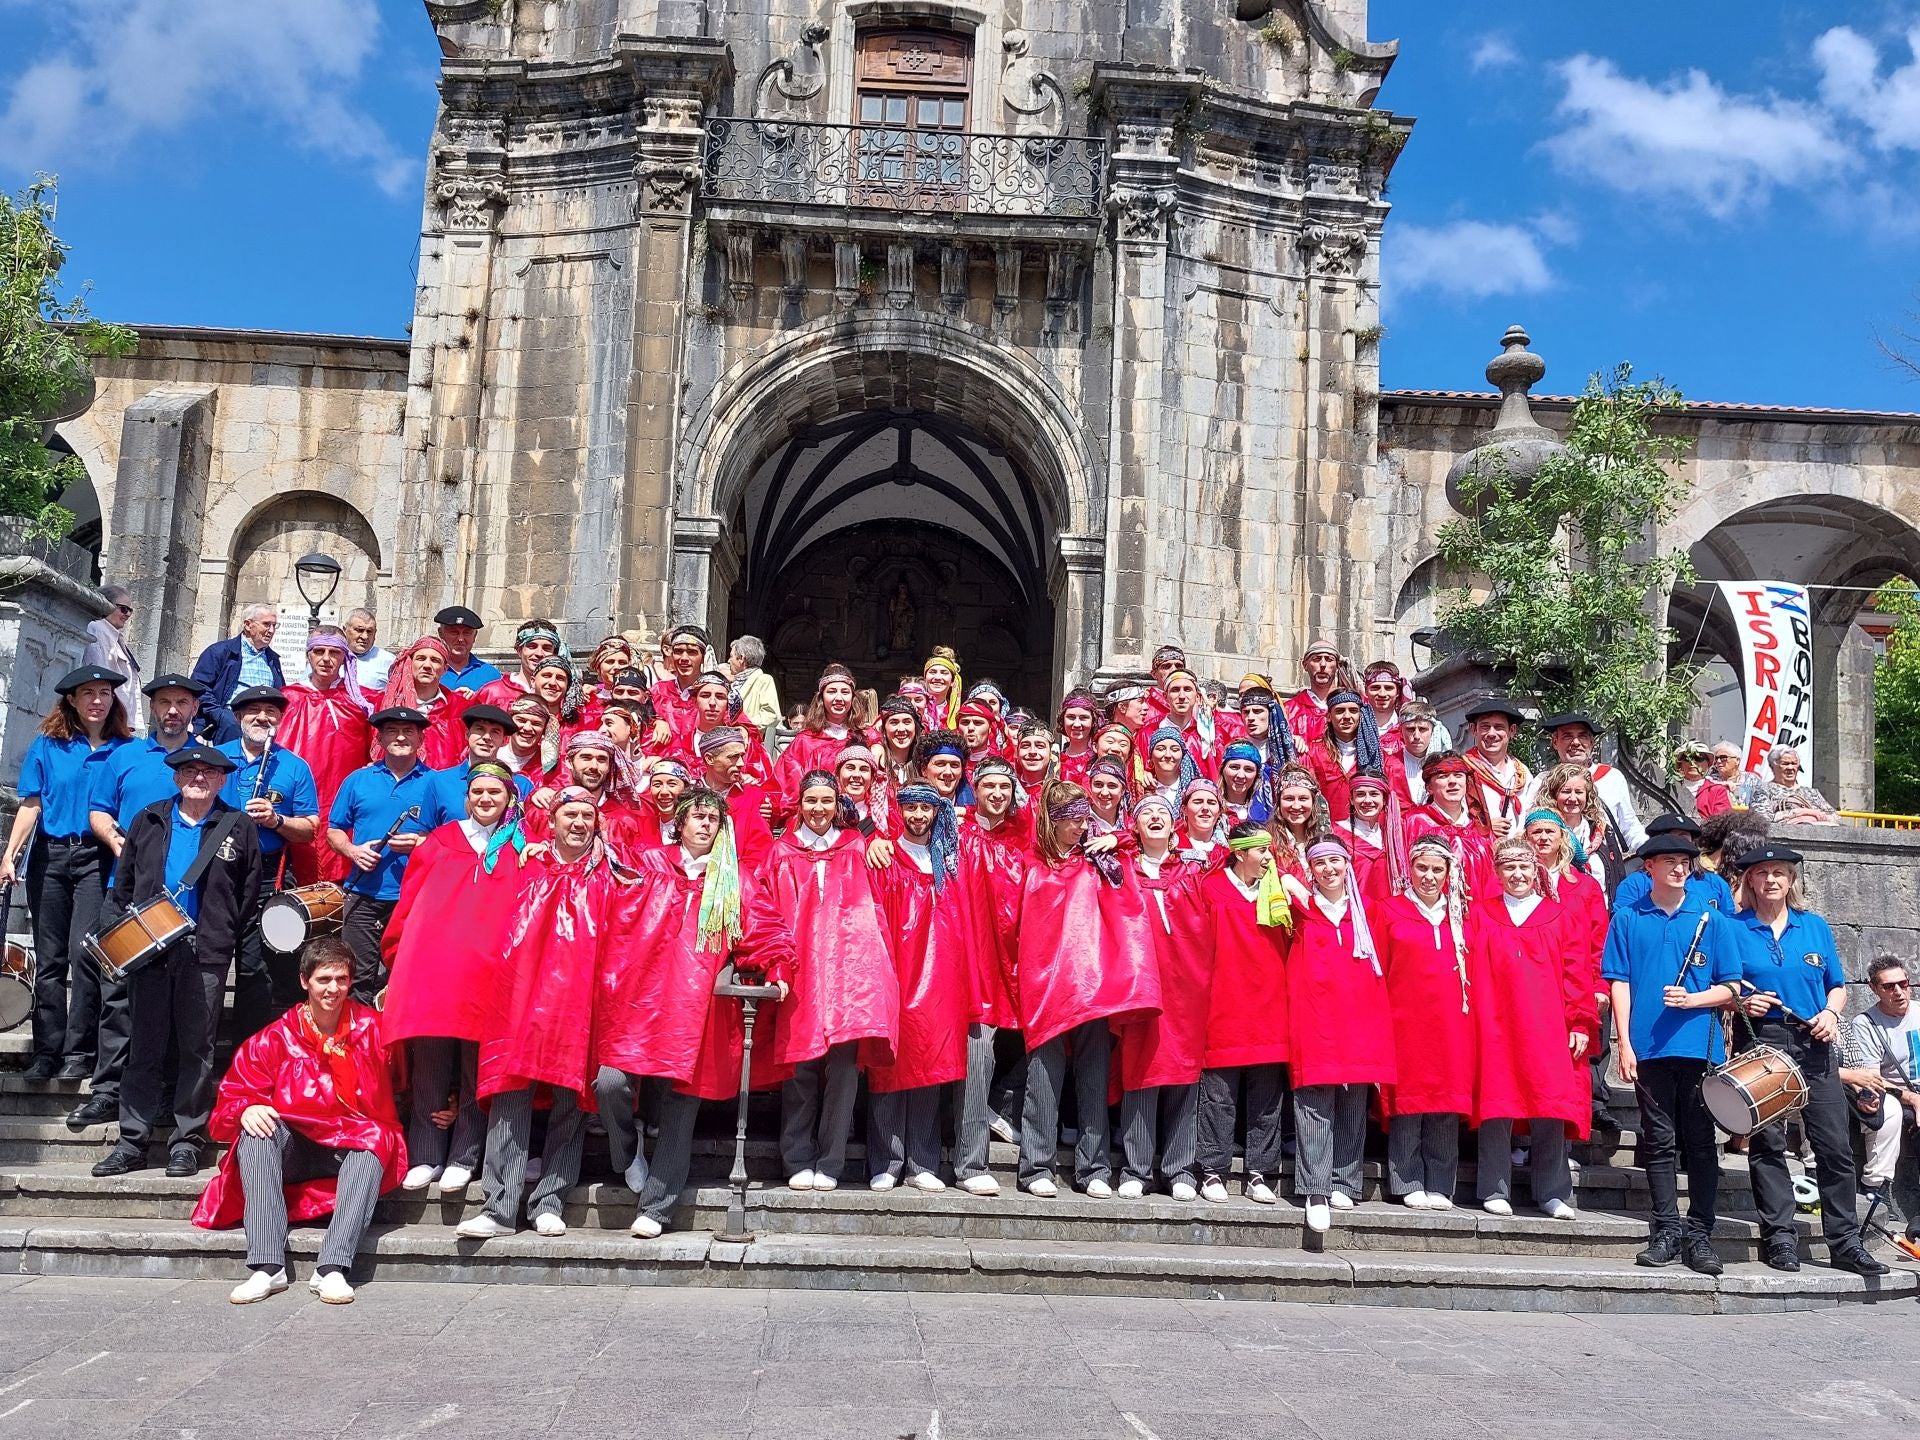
1456 897
991 691
607 647
1573 836
1167 730
574 699
1077 700
1272 906
1199 783
664 765
943 842
1387 667
1392 824
951 705
349 672
1366 741
549 737
1248 751
1107 765
401 689
996 732
720 905
1278 749
718 738
622 784
508 831
1299 774
1363 948
1154 801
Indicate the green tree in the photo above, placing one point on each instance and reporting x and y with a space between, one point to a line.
1574 587
1896 703
47 348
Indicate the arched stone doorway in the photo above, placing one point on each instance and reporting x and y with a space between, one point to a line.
278 534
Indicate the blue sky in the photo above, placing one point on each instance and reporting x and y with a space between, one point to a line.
1718 192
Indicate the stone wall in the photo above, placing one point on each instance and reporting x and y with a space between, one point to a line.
46 605
1867 885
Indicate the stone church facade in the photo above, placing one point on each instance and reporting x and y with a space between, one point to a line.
1045 328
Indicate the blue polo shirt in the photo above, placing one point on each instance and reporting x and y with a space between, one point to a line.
471 676
129 779
369 801
1711 889
288 776
1644 948
450 785
55 773
183 847
1800 965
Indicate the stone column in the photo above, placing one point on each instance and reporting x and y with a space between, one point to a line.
45 607
159 501
1076 584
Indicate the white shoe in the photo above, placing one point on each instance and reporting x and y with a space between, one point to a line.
420 1176
1043 1188
1183 1191
801 1181
1340 1200
1131 1190
928 1181
882 1181
824 1182
1259 1192
1494 1205
481 1227
1558 1210
1415 1200
258 1285
980 1185
549 1224
1319 1217
455 1179
645 1227
1439 1202
1002 1129
332 1288
1213 1190
1099 1190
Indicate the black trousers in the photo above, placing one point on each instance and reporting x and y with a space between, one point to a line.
363 925
1825 1118
66 881
266 984
176 999
1675 1129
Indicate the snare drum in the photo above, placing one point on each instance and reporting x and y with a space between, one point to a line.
293 917
16 986
1753 1089
139 937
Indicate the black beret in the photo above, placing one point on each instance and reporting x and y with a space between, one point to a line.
1761 854
1487 709
1669 844
254 694
398 715
172 680
477 714
1672 825
86 675
1566 718
200 755
459 615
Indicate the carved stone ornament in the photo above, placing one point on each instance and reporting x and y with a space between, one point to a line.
1333 251
1032 94
788 85
667 186
472 202
1142 213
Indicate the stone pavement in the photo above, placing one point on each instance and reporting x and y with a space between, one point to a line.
83 1358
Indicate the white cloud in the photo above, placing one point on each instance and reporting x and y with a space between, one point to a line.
1851 83
124 69
1494 52
1689 139
1466 260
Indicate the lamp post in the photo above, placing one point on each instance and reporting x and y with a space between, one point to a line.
318 576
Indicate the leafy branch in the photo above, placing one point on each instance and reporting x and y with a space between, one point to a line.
1896 703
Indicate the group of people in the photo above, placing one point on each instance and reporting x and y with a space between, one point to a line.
1231 919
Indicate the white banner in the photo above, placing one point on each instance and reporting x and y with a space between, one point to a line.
1776 669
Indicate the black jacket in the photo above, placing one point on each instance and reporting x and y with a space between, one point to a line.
229 890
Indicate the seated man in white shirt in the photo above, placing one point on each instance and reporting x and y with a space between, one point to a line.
1882 1053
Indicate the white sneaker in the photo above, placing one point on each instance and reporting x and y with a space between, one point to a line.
1494 1205
980 1185
1558 1210
481 1227
1319 1217
928 1181
1002 1129
1042 1188
455 1179
1415 1200
824 1182
1183 1191
332 1288
549 1224
258 1285
1259 1192
882 1181
1131 1190
1213 1190
1340 1200
419 1177
645 1227
1099 1190
801 1181
1437 1201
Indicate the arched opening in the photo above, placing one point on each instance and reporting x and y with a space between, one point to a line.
279 533
89 530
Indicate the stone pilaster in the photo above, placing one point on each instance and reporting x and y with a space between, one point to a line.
159 500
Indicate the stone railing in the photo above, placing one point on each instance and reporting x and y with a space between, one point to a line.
1866 882
915 171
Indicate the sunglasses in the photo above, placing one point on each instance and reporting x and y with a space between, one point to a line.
1894 985
124 609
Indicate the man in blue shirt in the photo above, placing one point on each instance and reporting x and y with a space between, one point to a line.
238 663
1797 1002
487 729
459 628
381 813
1670 963
1706 884
275 788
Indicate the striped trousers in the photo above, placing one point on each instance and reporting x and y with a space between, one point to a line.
268 1166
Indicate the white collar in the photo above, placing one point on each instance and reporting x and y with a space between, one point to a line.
921 855
1250 892
1367 830
1334 910
812 841
477 834
694 865
1436 914
1520 907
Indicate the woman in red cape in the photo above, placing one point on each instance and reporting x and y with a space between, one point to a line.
448 975
309 1094
925 906
1372 826
555 942
1078 718
1454 809
1342 1033
1422 934
1247 1027
1085 962
845 1005
1157 1067
414 680
656 1020
1535 1017
326 726
1558 849
834 716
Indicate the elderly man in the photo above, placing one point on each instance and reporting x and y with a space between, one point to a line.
107 648
362 630
240 662
753 686
1574 739
466 673
1783 799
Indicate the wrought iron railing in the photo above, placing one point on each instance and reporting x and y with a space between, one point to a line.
902 169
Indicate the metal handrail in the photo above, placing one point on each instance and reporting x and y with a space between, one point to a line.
1880 820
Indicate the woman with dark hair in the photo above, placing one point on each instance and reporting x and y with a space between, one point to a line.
1455 810
835 715
894 738
67 867
1079 717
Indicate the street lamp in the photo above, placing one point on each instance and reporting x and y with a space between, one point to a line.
318 576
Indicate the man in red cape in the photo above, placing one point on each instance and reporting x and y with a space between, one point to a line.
723 755
1306 710
326 725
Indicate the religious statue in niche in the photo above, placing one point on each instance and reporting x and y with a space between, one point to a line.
787 87
901 615
1031 93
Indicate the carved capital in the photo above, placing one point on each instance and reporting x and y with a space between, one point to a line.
1333 250
1140 213
667 186
471 202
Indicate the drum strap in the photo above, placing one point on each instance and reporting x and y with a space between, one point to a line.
222 828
